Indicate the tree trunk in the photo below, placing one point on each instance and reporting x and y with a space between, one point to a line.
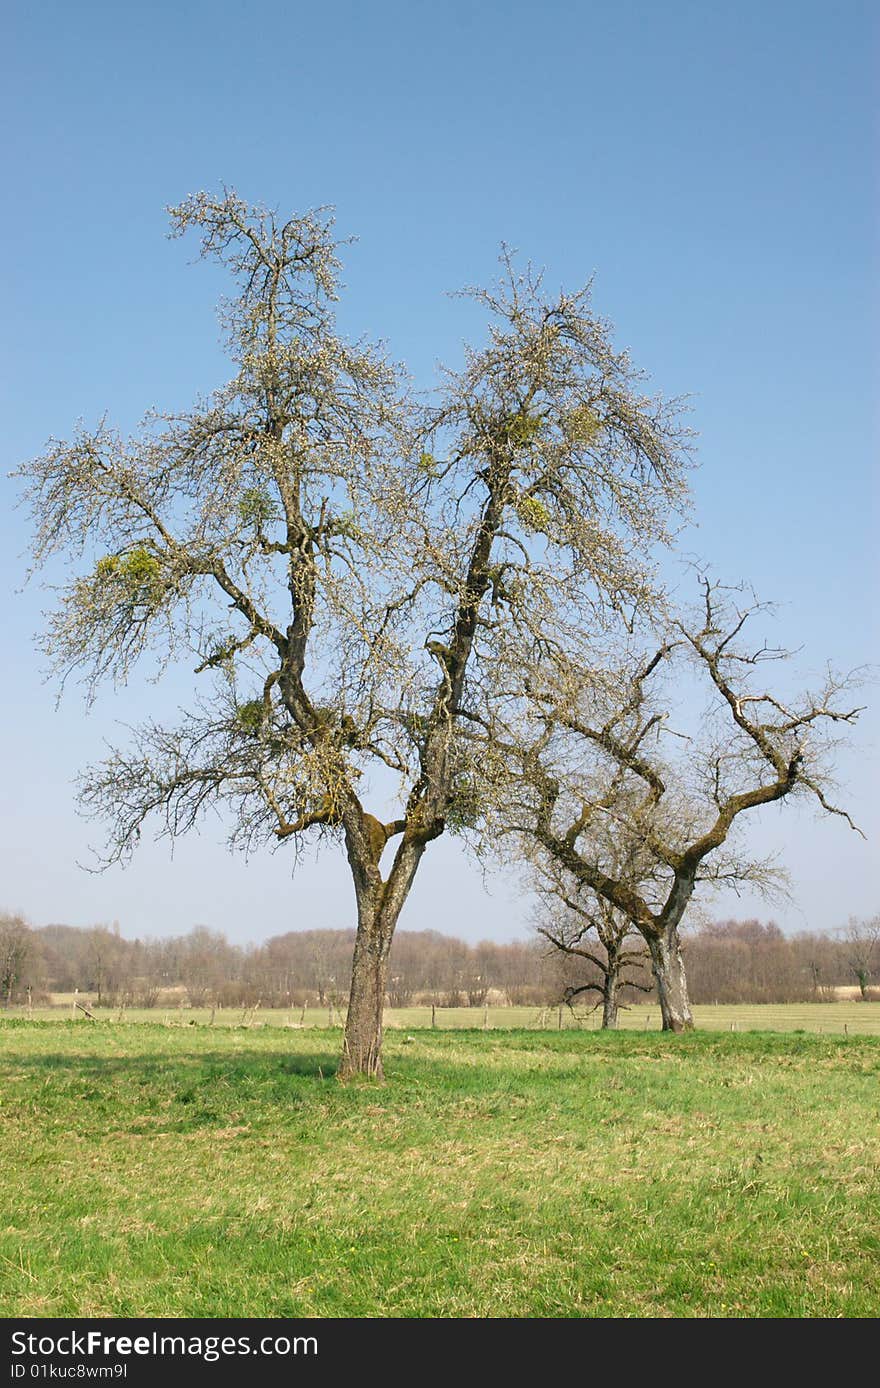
362 1041
379 907
667 966
609 1002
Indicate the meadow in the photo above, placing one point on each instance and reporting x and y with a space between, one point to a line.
823 1018
189 1170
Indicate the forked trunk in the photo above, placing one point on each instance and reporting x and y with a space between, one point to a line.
379 907
667 966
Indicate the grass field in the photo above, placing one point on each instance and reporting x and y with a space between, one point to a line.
832 1019
211 1171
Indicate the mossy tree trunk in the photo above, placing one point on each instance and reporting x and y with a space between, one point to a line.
667 966
379 906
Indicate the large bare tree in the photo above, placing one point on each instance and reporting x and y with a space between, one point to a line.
355 574
614 798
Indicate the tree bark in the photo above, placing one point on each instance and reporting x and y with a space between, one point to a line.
379 907
667 966
362 1040
609 1002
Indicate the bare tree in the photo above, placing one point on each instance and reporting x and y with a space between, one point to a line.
105 960
354 575
573 918
601 796
16 947
862 943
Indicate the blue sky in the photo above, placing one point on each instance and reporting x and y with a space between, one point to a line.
712 165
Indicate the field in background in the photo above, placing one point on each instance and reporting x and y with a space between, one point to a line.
837 1018
191 1171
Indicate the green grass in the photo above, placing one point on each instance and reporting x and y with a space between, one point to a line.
195 1171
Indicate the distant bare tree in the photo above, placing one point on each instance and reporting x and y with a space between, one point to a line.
353 575
16 946
105 957
862 942
728 961
569 929
737 961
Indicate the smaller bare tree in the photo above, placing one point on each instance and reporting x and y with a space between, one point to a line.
586 927
602 794
15 949
862 942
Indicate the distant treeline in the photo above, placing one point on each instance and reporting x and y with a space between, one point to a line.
727 961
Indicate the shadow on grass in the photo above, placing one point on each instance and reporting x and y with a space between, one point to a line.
316 1067
168 1065
494 1060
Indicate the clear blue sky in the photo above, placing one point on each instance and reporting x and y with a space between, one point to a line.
712 164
